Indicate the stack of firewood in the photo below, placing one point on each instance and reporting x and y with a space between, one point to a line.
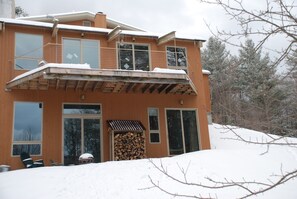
129 146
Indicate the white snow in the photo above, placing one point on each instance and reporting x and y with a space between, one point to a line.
206 72
166 70
229 159
52 65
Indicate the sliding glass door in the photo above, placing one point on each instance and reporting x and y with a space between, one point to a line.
182 131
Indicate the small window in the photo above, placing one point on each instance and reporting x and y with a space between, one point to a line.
154 125
28 51
76 51
27 129
177 58
133 57
87 23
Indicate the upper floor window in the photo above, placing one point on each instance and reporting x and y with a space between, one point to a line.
133 57
27 128
28 51
177 58
87 23
81 51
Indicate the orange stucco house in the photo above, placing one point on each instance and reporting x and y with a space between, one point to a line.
65 77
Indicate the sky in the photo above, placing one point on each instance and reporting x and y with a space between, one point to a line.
187 17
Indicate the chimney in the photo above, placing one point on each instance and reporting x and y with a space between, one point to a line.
100 20
7 9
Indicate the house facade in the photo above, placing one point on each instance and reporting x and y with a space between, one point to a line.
65 78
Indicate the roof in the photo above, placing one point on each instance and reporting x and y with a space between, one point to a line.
125 125
46 21
80 77
82 15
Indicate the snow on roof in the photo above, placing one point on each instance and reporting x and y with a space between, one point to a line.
77 16
166 70
33 21
206 72
53 65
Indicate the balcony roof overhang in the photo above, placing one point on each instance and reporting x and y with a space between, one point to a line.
81 78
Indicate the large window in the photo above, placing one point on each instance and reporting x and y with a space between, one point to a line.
28 51
133 57
154 125
27 129
176 58
82 132
77 51
182 131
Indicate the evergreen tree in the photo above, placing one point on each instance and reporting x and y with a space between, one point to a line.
260 95
215 58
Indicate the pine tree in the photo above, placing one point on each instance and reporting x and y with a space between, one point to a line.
215 58
260 95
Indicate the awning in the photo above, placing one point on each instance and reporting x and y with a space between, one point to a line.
125 125
77 78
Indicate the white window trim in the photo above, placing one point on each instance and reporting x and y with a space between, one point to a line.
154 131
133 53
99 49
84 116
177 67
27 142
198 128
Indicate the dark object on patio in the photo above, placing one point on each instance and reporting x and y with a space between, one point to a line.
28 162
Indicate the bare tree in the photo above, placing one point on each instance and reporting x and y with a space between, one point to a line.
276 18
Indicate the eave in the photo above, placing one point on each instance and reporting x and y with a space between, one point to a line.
106 81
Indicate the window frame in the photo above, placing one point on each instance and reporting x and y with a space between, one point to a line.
133 54
81 50
176 60
34 142
154 131
38 59
182 125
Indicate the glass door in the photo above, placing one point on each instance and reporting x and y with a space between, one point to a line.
81 132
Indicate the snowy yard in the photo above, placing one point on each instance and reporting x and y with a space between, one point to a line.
230 160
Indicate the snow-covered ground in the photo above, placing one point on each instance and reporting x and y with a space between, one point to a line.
229 160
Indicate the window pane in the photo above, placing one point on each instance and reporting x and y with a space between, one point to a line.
72 140
32 149
141 47
190 131
71 51
126 59
171 59
26 64
174 132
28 47
90 52
154 137
125 46
81 109
142 60
27 121
92 138
181 56
153 119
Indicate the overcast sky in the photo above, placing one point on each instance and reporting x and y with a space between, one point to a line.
188 17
